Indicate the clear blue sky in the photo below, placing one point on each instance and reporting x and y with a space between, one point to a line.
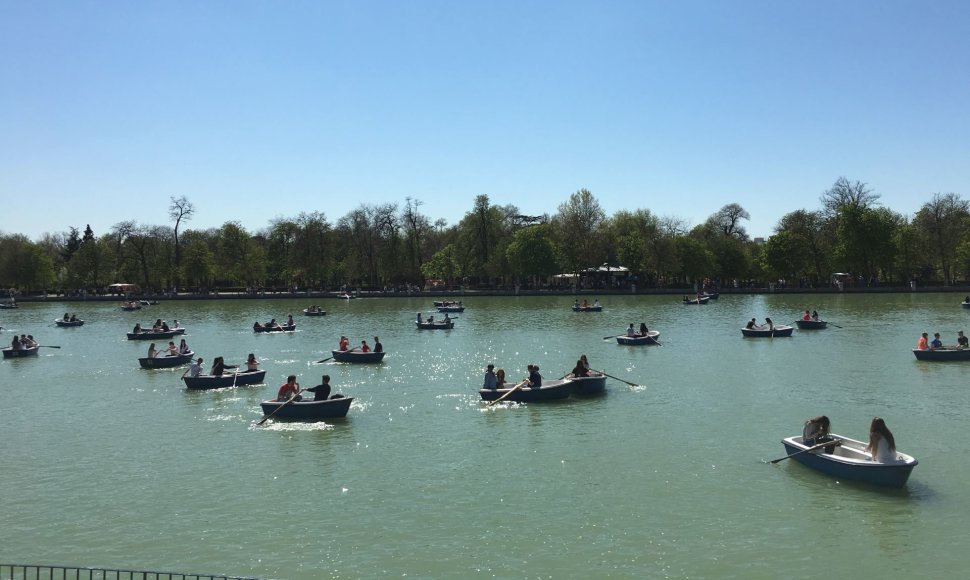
262 109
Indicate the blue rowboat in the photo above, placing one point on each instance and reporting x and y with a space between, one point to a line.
10 352
308 410
166 362
850 460
155 334
549 391
450 308
69 323
811 324
765 332
308 312
587 308
203 382
942 354
650 339
275 328
355 356
436 325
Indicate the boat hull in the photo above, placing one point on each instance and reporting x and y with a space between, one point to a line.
942 354
594 384
204 382
69 323
587 309
9 352
308 410
353 356
811 324
550 391
649 340
850 461
165 362
965 304
153 335
697 301
435 325
314 312
450 308
280 328
778 331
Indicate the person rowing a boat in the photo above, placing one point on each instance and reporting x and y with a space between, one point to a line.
961 340
751 324
534 379
171 349
630 331
580 370
344 343
218 367
364 347
252 364
816 430
195 369
289 390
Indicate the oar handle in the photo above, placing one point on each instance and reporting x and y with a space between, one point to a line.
512 390
834 443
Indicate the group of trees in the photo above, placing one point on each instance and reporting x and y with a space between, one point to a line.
387 245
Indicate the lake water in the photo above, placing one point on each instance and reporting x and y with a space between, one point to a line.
106 464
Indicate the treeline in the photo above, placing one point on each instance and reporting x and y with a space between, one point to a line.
389 246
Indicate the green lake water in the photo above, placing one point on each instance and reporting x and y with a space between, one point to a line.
106 464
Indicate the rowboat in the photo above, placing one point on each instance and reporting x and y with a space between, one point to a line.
445 303
346 296
131 306
696 301
308 312
811 324
355 356
450 308
964 304
850 460
69 323
765 332
436 325
942 354
155 334
594 384
8 305
276 328
10 352
166 362
587 308
711 295
639 340
203 382
549 391
308 410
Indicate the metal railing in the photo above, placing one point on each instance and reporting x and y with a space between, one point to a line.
44 572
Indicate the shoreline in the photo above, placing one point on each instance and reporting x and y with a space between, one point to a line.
330 295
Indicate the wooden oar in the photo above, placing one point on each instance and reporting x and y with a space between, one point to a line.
293 398
836 442
655 341
47 346
512 390
614 336
326 359
835 325
617 378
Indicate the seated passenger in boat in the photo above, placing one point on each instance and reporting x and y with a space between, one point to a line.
882 445
924 342
500 379
321 392
257 325
643 329
630 331
289 390
67 317
195 369
344 343
364 347
769 324
961 340
419 318
137 328
184 347
580 369
814 314
152 353
218 367
596 303
535 379
806 316
378 347
251 363
490 380
751 324
936 342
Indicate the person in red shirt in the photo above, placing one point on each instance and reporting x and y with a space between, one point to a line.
924 342
806 316
364 347
289 389
344 343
